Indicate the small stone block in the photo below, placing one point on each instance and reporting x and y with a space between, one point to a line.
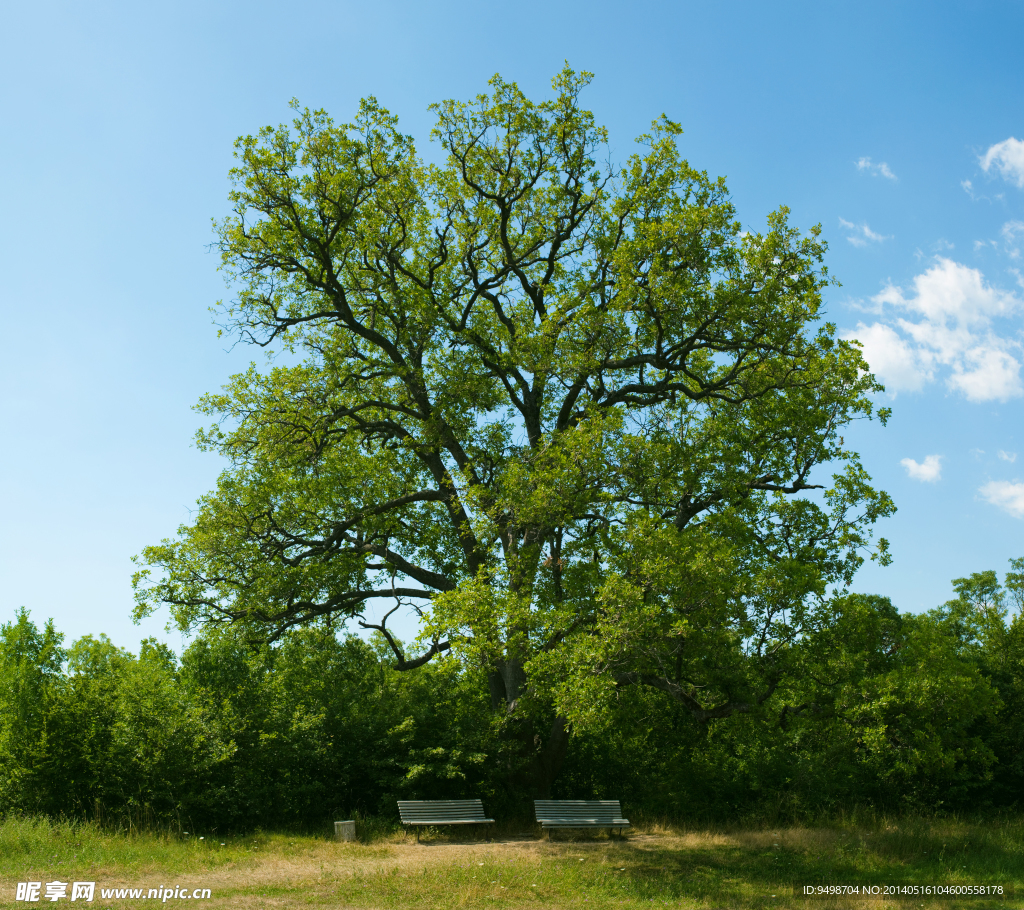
345 830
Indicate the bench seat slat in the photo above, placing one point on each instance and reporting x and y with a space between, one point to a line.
577 823
440 802
449 821
600 820
427 816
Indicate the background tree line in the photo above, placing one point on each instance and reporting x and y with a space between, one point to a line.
888 710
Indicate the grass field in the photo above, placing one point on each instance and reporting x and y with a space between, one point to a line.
655 866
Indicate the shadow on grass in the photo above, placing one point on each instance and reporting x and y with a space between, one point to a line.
744 868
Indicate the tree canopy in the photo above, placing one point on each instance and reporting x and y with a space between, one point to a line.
573 413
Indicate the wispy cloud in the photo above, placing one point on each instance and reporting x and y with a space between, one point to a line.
1008 158
1011 232
929 471
862 234
1006 495
944 325
876 170
1007 456
969 189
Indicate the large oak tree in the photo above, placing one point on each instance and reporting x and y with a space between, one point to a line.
572 413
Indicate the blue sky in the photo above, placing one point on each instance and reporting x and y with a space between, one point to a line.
898 127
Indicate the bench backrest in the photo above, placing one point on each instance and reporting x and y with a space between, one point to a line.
592 810
440 810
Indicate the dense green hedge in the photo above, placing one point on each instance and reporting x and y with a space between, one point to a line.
888 710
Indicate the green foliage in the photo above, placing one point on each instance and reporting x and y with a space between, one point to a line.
30 664
884 712
573 410
321 726
986 620
880 709
120 736
235 736
903 711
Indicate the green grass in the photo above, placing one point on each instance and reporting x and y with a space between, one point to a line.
34 845
710 868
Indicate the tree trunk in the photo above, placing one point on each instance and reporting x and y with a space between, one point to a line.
549 758
543 754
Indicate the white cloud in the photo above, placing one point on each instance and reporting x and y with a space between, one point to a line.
929 471
863 235
1008 158
1007 496
945 323
951 290
985 373
876 170
895 361
1007 456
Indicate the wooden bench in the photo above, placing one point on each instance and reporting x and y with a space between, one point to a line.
419 812
579 813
